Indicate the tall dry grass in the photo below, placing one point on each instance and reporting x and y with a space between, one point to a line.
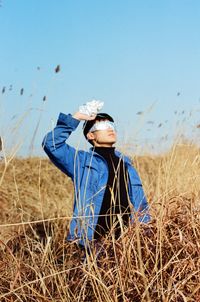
160 262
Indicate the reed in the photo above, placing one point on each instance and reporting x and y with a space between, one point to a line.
158 262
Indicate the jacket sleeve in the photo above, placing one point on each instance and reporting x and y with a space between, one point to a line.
54 144
138 198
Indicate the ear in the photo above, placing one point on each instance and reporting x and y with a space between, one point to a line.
90 136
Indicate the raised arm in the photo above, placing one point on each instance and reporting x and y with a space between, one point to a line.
62 154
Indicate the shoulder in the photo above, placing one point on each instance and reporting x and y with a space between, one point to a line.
126 158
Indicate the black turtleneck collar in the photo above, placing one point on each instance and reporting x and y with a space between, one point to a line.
105 151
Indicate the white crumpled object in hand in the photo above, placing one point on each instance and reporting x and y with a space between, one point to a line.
91 108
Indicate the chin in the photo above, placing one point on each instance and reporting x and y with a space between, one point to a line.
112 141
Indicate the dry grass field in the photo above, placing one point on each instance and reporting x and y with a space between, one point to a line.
157 263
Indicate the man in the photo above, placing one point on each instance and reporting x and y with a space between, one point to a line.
107 189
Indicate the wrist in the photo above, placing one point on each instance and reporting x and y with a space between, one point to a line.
76 116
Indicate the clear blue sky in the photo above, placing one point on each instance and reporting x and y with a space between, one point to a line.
130 54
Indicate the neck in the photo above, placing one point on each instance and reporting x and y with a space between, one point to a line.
106 145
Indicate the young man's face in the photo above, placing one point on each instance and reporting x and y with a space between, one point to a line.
103 138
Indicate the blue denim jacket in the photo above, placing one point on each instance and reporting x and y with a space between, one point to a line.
89 173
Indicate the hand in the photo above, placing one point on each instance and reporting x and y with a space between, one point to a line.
83 117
